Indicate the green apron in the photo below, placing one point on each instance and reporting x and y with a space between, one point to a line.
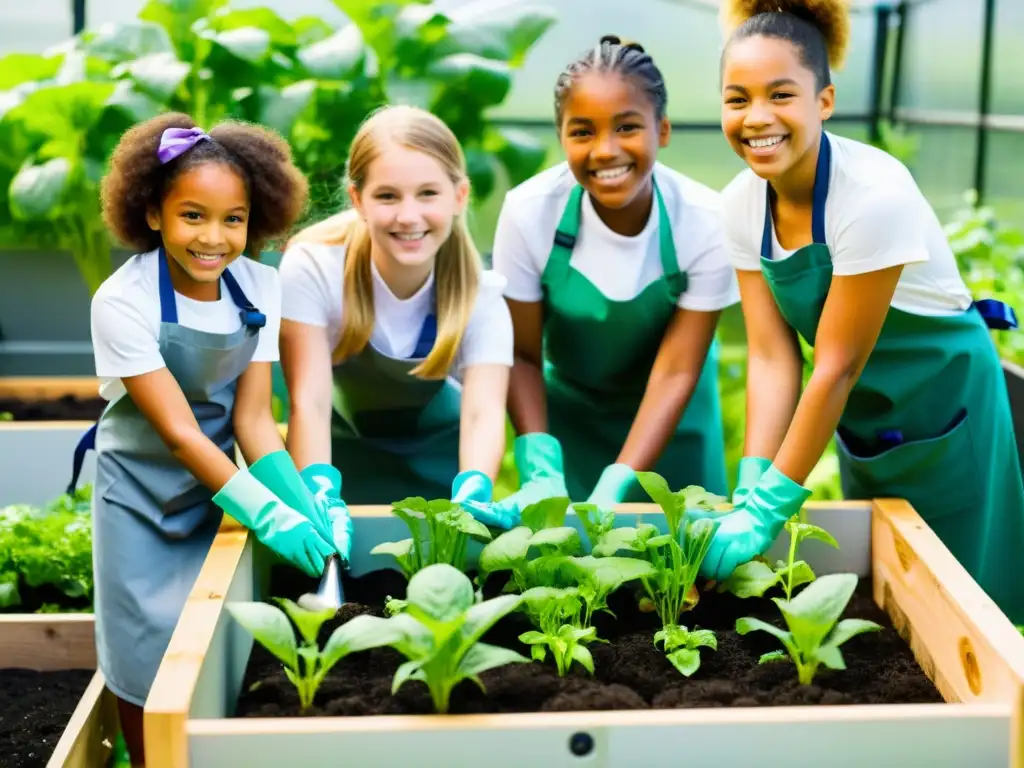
599 354
929 418
394 435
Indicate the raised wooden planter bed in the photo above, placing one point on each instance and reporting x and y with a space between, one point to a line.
53 643
962 642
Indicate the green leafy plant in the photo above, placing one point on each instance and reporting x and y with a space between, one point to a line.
305 664
438 630
814 636
558 614
46 555
682 646
756 577
441 531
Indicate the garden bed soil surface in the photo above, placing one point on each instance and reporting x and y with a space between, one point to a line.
35 708
630 672
66 408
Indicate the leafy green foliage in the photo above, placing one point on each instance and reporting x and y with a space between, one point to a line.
814 636
441 531
756 577
46 555
682 646
438 630
558 614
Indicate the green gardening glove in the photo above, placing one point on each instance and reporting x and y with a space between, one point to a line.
613 486
278 472
751 528
748 473
538 459
324 481
283 530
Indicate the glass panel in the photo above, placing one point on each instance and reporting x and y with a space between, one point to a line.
944 165
1004 183
33 27
1007 83
942 55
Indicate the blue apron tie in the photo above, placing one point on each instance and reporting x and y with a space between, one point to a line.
251 317
997 315
428 335
822 174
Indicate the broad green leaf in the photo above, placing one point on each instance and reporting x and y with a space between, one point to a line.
308 622
848 628
485 81
482 170
616 540
519 152
536 598
686 660
361 634
659 541
831 657
158 75
565 539
485 615
807 531
812 613
270 627
773 656
532 637
338 57
311 29
693 496
484 656
469 525
249 44
608 573
505 551
802 574
748 624
657 488
441 591
751 579
418 31
410 670
133 102
506 31
702 637
581 654
128 40
40 191
547 513
18 68
279 31
394 548
376 22
281 107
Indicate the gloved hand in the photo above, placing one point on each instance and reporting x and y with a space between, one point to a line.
748 473
538 459
473 490
751 528
277 525
277 471
613 486
324 480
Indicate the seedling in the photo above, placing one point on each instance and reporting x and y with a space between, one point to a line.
441 531
437 628
756 577
814 636
557 612
304 663
682 646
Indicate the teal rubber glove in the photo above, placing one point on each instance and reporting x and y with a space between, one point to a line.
277 471
473 490
751 528
748 473
282 529
538 459
324 480
614 484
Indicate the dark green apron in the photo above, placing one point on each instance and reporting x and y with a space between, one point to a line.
599 354
929 418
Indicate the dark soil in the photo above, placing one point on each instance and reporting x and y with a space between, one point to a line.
630 672
67 408
34 710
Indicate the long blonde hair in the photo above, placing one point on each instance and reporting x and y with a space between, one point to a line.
457 266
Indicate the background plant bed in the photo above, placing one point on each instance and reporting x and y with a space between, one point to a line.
966 647
55 710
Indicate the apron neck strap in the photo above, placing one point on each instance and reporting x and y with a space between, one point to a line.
251 316
428 335
569 228
822 174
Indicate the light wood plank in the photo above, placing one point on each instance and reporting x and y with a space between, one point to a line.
88 739
47 642
49 387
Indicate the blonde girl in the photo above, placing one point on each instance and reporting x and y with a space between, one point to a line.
396 346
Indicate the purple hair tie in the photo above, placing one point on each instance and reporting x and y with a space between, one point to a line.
177 141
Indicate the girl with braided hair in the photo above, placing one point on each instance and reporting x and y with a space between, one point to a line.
833 240
617 273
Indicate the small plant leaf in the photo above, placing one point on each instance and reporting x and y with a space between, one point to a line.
547 513
581 654
566 539
831 657
748 624
504 552
394 548
618 539
485 615
801 574
484 656
410 670
773 656
751 579
686 660
441 591
270 627
308 622
702 637
848 628
812 613
804 531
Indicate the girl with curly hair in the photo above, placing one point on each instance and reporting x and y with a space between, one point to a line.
833 240
184 335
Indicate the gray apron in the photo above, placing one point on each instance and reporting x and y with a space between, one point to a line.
394 435
153 521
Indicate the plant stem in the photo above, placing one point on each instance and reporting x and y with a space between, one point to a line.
789 573
805 672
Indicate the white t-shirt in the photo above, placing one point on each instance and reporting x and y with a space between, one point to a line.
312 278
126 317
875 217
620 267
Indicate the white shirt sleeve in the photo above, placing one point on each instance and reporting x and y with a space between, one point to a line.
125 339
268 348
488 339
711 282
744 251
512 259
306 287
885 230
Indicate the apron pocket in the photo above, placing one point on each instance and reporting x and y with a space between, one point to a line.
939 476
177 519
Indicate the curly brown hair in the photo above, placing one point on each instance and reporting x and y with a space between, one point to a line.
137 182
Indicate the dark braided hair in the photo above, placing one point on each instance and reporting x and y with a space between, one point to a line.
611 54
818 29
137 182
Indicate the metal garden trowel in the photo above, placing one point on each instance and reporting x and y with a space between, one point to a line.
329 596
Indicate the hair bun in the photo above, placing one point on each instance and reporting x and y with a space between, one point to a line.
830 17
629 45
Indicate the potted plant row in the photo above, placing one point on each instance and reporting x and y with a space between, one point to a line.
584 632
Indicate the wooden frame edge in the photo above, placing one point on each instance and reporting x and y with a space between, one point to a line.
49 387
70 638
88 738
